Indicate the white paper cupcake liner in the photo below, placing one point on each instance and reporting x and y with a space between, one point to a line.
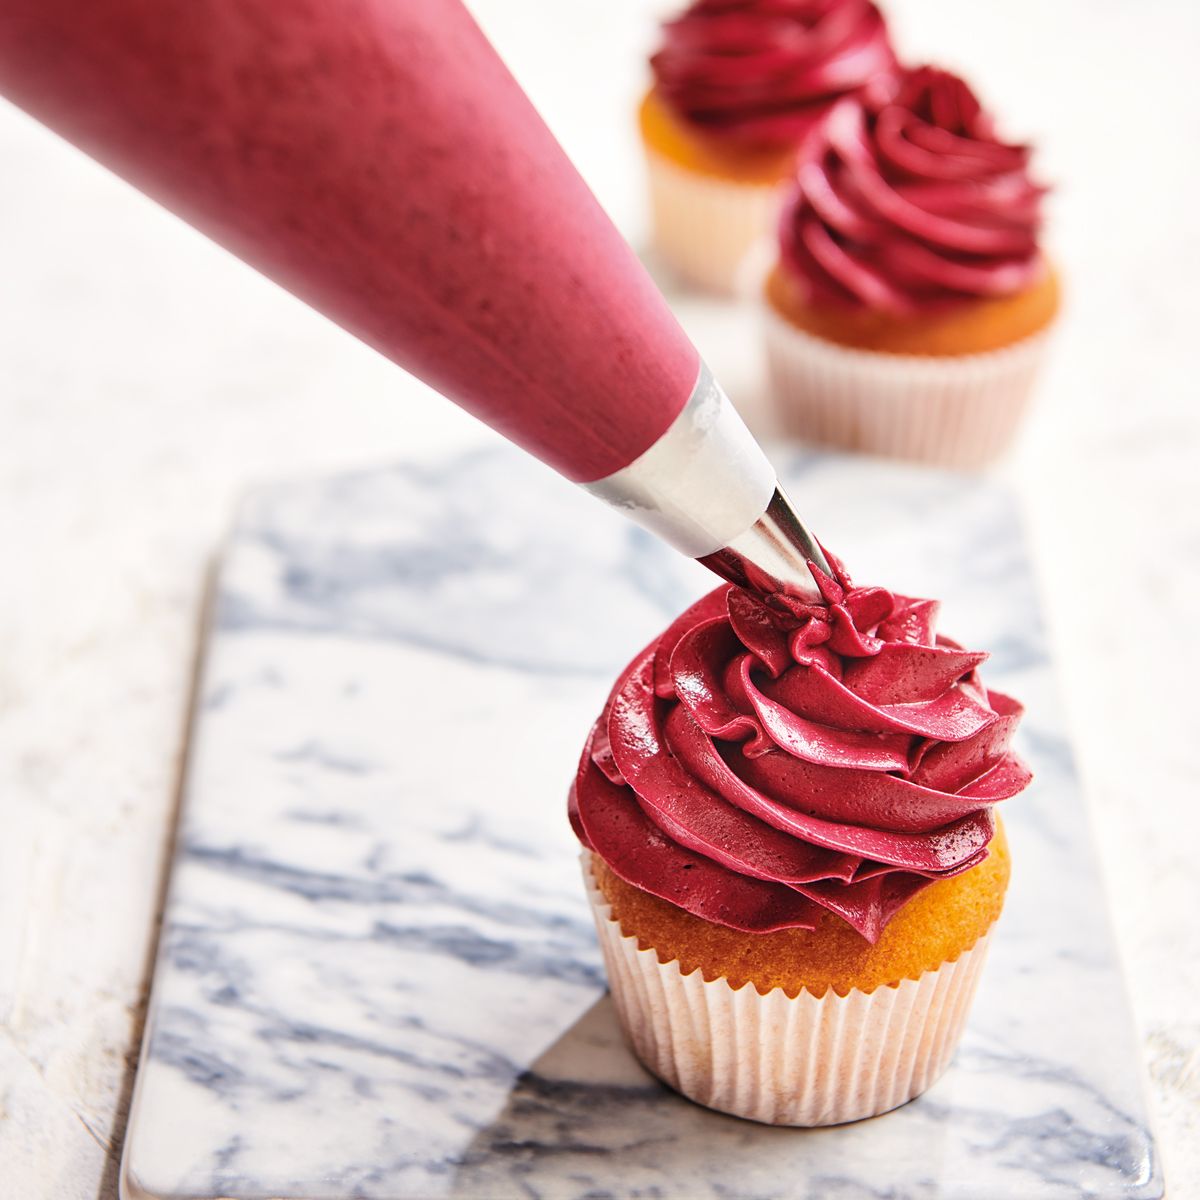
711 231
961 411
778 1060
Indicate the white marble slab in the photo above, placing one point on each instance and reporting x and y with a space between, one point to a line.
377 975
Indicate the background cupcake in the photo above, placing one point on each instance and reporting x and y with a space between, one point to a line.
908 309
793 861
738 84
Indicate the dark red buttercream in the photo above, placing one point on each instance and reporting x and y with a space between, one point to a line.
765 759
763 72
908 200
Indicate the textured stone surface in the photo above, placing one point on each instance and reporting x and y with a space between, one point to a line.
376 939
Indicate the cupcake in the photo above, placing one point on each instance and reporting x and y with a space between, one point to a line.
738 84
909 308
791 852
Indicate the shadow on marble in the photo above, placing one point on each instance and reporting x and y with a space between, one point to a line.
586 1105
585 1120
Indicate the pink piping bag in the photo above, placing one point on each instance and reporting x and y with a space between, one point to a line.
377 159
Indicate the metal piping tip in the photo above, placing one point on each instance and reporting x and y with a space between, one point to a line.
773 554
707 488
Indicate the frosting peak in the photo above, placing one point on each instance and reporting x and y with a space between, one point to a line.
908 200
765 759
763 72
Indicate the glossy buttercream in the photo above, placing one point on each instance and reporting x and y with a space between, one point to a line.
908 200
765 759
763 72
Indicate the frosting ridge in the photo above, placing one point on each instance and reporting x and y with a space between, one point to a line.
764 759
908 200
763 72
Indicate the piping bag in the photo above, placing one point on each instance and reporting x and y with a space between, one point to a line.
377 159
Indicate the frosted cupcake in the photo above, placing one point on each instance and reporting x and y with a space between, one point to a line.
791 851
738 85
909 309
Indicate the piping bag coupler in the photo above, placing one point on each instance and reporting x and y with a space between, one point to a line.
376 158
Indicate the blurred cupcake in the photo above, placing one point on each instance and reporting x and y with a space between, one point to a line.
909 308
790 849
738 84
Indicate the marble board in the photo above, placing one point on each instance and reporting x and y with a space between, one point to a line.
377 975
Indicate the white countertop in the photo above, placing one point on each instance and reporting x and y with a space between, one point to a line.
145 378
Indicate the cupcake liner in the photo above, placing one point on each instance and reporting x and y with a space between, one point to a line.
782 1060
710 230
959 411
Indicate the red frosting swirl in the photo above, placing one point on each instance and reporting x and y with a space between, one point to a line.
907 200
764 72
765 759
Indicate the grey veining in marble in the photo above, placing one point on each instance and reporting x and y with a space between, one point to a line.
378 976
